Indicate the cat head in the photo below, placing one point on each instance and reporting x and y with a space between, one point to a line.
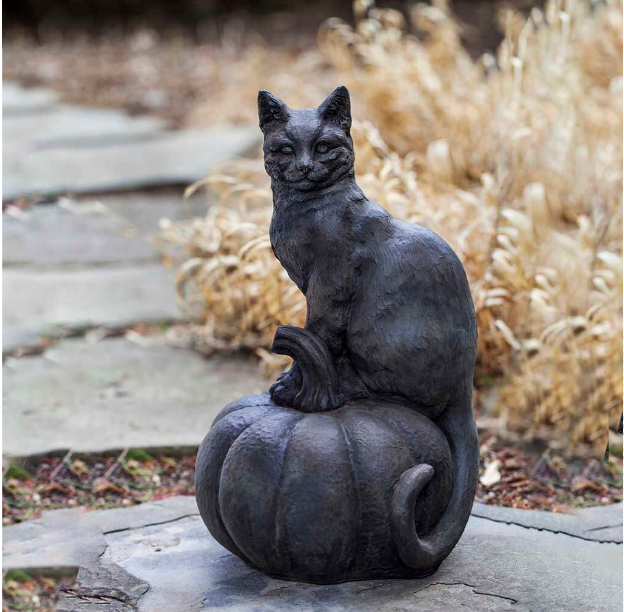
307 149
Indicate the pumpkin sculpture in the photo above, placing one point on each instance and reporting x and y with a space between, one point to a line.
362 460
322 496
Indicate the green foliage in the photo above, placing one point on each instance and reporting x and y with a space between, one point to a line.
17 576
138 455
18 472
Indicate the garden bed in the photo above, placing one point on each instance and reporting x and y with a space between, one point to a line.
529 480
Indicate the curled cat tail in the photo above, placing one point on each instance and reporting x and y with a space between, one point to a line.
320 388
428 551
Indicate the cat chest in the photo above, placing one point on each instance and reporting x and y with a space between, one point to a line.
304 251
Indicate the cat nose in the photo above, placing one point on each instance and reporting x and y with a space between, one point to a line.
304 165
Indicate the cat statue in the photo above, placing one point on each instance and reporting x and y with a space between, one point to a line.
362 460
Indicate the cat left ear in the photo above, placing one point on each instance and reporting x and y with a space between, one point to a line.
337 107
270 109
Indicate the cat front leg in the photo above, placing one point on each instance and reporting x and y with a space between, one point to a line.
327 303
327 321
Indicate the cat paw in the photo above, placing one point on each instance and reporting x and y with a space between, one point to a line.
284 391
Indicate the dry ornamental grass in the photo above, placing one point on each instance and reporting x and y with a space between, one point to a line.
515 160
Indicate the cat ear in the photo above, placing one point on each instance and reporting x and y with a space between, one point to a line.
270 109
337 107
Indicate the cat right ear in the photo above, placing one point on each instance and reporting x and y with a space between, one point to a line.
337 107
270 109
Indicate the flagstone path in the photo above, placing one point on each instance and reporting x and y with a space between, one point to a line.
77 263
51 148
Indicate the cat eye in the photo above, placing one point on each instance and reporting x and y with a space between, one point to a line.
286 150
322 148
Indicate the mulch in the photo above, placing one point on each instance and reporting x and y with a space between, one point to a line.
93 481
528 480
24 592
531 479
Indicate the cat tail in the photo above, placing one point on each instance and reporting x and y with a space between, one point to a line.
426 552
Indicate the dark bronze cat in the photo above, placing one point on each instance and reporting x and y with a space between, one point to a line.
389 299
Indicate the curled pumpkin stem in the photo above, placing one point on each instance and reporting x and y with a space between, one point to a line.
320 388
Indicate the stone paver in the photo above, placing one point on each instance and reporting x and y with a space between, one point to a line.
72 537
52 148
107 229
92 262
171 158
115 394
18 100
14 338
600 524
159 556
43 303
88 262
52 541
65 125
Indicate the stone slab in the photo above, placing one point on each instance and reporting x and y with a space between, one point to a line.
164 545
603 524
66 125
13 339
91 588
105 230
43 302
60 539
72 537
171 158
17 100
115 394
49 236
494 568
600 524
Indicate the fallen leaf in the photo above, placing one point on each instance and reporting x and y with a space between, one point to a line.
491 475
55 486
102 486
580 484
78 467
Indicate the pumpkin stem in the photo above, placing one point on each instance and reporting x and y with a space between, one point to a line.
320 387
